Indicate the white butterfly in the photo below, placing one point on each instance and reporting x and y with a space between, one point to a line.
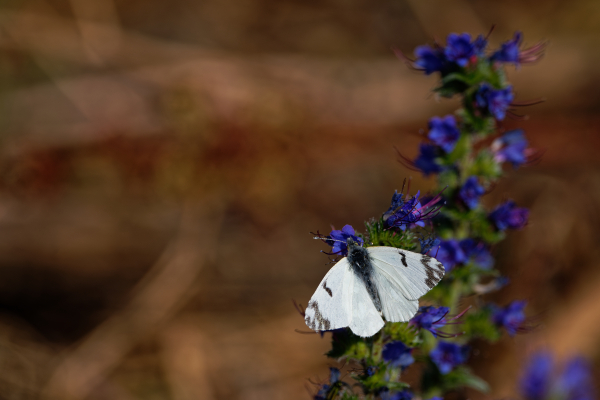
370 283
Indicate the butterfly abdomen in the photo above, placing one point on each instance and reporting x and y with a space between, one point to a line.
359 260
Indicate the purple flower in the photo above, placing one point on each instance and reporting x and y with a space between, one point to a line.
510 317
395 206
477 252
426 161
430 59
509 51
508 215
397 354
410 213
450 253
459 48
428 243
494 101
448 355
535 384
576 382
479 45
430 319
443 132
470 192
542 380
334 378
337 239
510 147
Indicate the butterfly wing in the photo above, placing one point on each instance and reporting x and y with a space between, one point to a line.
342 300
402 277
394 306
330 307
365 320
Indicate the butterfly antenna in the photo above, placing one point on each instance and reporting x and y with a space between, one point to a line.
299 308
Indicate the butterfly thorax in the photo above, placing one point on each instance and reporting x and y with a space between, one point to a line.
360 262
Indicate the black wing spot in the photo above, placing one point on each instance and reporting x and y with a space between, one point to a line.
329 292
403 258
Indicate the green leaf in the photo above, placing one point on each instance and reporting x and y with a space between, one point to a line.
379 235
403 332
479 324
462 148
485 166
462 376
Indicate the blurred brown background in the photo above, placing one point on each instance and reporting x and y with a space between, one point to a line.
162 164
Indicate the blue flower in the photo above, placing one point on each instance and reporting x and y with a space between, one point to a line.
334 378
409 213
426 161
510 317
396 204
470 192
494 101
403 395
576 382
511 147
397 354
339 245
448 355
509 51
479 45
508 215
477 252
450 253
428 243
430 59
535 384
443 132
459 48
431 319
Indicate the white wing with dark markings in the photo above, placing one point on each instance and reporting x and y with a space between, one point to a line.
412 274
400 277
342 300
330 307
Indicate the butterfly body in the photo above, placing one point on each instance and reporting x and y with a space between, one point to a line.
360 262
371 283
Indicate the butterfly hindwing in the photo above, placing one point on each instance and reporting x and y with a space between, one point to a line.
412 274
330 306
394 306
365 319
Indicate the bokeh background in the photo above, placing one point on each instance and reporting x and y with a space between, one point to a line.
162 164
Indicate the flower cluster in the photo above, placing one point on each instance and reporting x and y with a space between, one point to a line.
466 154
543 379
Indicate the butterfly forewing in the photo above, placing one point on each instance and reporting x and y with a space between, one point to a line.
330 307
412 274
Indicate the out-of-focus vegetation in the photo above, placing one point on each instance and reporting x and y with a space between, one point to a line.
161 165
